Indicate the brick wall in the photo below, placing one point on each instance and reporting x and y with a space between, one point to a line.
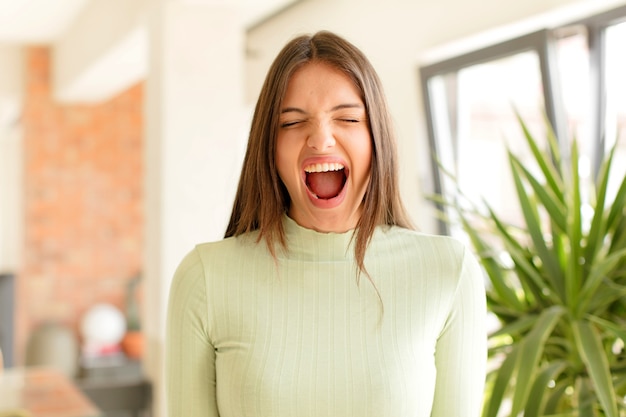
83 222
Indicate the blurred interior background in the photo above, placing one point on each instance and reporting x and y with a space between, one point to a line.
123 126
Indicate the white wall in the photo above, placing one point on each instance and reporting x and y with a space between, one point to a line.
398 36
193 148
10 158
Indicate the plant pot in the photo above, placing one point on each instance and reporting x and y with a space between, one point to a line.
133 344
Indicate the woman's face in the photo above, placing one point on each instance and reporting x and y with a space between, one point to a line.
324 148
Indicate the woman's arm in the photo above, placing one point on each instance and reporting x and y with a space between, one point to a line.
189 356
461 351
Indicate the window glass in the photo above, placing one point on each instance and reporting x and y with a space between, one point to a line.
475 124
616 101
574 78
573 66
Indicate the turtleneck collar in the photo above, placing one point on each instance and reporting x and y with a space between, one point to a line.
310 245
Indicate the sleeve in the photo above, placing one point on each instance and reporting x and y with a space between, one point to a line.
189 353
461 351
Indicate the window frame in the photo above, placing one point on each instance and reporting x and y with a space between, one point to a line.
543 43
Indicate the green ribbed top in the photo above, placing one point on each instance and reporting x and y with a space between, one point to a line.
248 336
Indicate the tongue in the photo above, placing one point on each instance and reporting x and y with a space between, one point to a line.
325 184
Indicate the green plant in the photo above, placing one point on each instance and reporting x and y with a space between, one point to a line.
557 285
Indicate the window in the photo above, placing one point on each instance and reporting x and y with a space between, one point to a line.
616 100
572 74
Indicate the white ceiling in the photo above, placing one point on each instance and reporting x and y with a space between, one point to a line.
36 21
43 21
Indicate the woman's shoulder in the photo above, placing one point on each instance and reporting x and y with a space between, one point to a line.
224 255
195 255
230 247
222 245
448 257
422 241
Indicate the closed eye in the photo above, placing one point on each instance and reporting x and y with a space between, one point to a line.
290 123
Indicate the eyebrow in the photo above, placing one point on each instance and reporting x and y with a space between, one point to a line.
337 107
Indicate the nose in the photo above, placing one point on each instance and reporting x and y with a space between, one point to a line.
321 137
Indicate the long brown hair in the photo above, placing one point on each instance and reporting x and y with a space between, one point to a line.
262 199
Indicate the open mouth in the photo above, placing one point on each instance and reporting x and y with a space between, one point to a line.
325 180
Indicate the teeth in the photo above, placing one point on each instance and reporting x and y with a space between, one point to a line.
325 167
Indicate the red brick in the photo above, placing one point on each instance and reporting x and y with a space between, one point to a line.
83 222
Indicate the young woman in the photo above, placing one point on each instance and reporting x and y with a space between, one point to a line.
276 320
